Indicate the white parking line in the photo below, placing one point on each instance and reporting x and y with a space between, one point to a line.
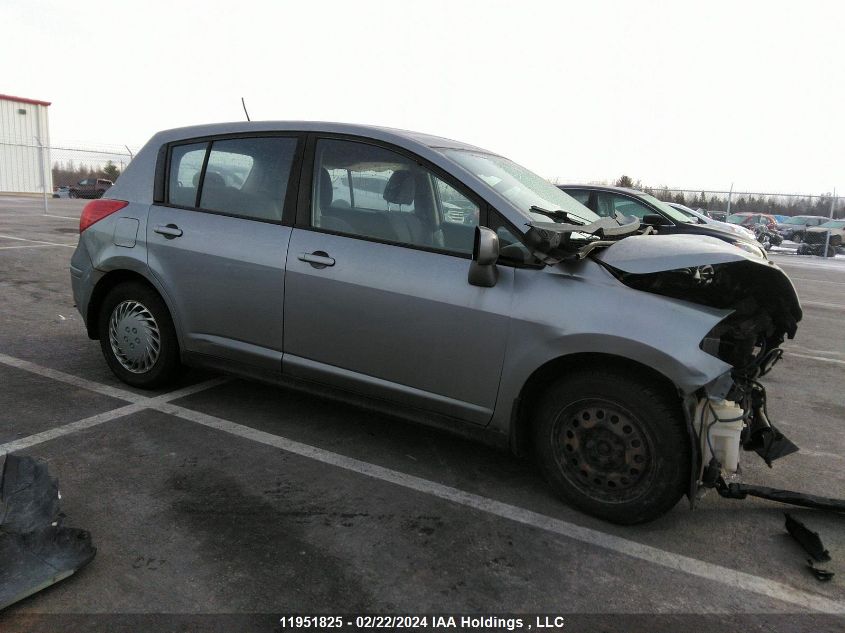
90 385
67 429
821 304
835 361
22 239
8 248
65 217
656 556
818 281
107 390
806 350
94 420
670 560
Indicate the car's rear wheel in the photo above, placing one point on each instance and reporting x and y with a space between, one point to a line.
613 445
137 336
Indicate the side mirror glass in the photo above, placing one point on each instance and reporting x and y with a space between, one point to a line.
485 254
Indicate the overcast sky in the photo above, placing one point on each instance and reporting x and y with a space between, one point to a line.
694 95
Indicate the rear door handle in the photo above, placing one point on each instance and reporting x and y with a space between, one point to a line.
169 231
318 259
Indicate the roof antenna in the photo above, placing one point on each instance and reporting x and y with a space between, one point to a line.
243 103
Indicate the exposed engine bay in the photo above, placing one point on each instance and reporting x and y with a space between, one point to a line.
765 308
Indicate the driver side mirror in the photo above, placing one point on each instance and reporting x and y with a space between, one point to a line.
485 254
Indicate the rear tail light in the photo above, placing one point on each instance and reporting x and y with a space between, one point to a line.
96 210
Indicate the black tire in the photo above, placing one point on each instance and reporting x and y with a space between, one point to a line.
166 364
612 445
831 250
72 194
797 237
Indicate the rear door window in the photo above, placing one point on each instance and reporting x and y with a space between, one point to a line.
248 177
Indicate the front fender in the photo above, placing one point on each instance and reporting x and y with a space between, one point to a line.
581 309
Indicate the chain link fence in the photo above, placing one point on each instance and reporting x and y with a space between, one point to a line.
721 203
60 170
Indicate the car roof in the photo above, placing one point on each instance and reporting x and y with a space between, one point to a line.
628 190
374 131
135 183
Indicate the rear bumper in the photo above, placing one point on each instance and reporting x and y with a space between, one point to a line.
82 279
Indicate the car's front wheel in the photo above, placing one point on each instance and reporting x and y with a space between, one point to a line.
137 336
613 445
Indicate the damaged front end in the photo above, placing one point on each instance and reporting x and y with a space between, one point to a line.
763 310
760 310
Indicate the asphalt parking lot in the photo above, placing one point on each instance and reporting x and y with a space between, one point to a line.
224 496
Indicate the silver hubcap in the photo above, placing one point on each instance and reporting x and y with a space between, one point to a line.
134 336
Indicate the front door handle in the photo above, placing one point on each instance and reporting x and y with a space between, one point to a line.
169 231
318 259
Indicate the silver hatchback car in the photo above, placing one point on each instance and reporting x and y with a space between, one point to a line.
331 258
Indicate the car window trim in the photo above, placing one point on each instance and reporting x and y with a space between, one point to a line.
303 207
494 217
291 193
642 202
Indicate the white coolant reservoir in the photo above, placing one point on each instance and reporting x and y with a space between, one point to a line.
724 435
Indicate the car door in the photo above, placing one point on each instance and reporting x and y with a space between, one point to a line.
217 245
376 293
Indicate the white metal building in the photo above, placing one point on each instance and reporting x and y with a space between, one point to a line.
24 146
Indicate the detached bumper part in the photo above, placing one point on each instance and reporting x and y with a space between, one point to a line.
762 436
36 551
741 491
812 544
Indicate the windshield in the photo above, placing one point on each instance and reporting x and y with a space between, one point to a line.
737 218
834 224
796 220
522 187
673 213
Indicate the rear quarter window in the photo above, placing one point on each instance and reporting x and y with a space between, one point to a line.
185 168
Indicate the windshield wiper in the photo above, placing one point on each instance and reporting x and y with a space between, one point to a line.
560 214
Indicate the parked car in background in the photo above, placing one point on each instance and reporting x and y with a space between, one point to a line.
606 201
90 188
750 220
62 192
718 215
816 236
506 329
702 218
793 228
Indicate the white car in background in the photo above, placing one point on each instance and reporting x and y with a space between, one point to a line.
704 219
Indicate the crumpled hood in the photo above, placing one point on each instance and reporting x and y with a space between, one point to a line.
642 255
